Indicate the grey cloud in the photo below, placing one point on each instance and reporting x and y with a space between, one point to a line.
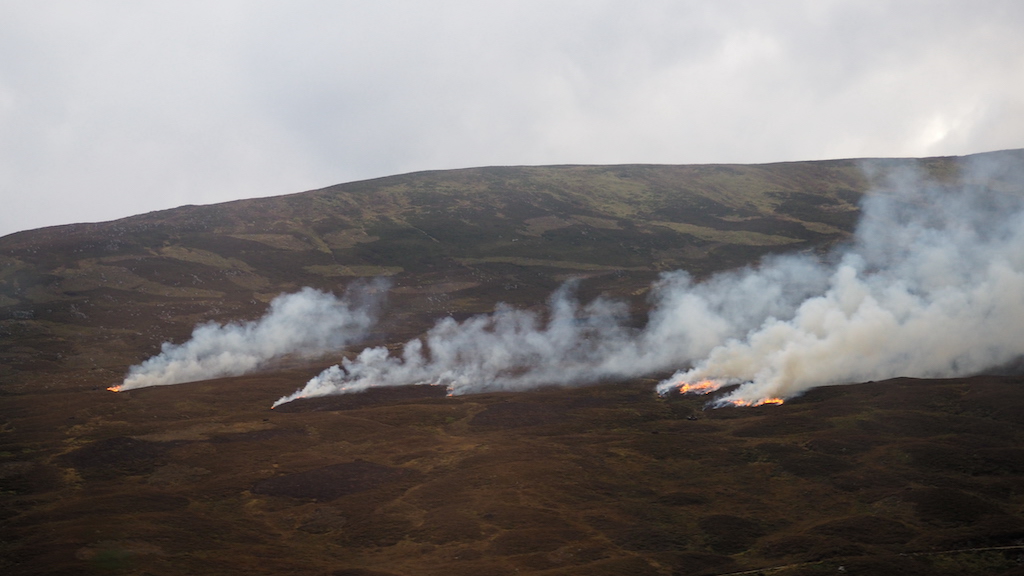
108 109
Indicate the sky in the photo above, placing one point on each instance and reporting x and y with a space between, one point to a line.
110 108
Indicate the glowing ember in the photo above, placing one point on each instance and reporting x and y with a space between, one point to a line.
114 388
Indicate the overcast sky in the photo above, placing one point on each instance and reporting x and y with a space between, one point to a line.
113 108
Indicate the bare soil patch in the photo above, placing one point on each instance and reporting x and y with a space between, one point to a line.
120 456
516 415
331 482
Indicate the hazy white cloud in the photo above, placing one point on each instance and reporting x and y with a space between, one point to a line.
110 108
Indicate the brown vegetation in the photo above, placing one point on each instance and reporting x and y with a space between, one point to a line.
903 476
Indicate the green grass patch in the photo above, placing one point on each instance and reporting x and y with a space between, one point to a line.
518 261
337 270
743 237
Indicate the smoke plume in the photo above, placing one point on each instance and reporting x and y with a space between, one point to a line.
307 323
931 285
514 349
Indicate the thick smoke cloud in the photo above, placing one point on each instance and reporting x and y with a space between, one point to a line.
514 349
517 349
931 285
307 323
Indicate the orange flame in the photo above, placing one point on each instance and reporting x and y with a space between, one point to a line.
702 387
760 402
115 388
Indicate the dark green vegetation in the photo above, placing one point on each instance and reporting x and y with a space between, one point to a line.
904 476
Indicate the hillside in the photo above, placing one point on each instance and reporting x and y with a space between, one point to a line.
605 479
453 242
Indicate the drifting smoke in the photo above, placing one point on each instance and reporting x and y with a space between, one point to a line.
516 349
308 323
932 285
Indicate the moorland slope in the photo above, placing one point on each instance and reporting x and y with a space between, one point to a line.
905 476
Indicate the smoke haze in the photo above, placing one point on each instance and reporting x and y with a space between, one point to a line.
308 323
514 349
931 285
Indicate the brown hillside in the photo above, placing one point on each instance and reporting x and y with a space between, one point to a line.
904 476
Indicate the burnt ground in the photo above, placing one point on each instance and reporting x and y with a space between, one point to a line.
923 477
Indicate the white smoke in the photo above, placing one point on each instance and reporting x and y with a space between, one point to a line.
509 349
307 323
514 349
932 285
